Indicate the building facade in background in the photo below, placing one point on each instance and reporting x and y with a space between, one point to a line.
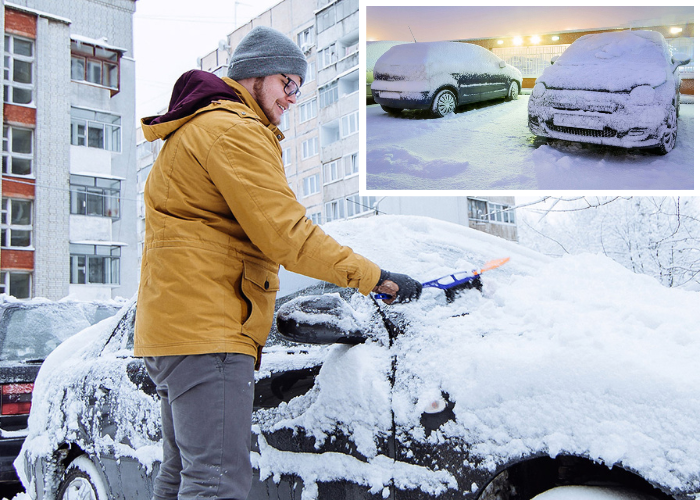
68 164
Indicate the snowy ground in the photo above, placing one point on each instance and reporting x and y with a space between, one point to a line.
489 146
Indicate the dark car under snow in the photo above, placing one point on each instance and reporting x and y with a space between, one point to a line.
441 76
558 374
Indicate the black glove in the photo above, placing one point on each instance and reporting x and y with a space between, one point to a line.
409 289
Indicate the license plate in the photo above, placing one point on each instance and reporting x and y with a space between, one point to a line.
578 121
388 94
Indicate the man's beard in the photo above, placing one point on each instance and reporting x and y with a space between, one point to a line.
258 95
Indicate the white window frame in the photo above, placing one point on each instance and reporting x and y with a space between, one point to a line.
9 155
9 82
284 122
108 256
90 119
103 195
334 210
315 217
6 283
309 148
8 208
351 165
500 213
305 37
328 95
349 124
332 172
359 205
328 55
286 157
312 185
307 110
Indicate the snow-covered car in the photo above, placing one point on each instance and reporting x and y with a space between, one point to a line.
29 331
560 373
619 89
440 76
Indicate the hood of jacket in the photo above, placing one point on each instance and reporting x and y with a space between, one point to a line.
195 92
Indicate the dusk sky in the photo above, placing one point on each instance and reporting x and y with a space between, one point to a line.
431 24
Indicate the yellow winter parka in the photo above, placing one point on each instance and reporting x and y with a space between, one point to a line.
220 218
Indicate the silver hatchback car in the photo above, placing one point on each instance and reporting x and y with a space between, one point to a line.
618 89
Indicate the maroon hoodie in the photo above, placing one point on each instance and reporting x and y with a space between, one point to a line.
194 90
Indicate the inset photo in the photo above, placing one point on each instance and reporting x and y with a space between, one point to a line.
529 98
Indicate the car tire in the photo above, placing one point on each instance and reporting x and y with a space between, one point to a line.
590 492
513 91
444 103
391 111
669 133
82 481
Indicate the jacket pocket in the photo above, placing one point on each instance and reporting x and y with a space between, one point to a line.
259 287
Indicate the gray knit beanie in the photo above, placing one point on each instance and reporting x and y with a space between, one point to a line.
265 51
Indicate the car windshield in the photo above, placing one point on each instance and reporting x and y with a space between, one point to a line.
32 333
614 49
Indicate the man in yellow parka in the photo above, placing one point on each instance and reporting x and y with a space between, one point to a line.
220 219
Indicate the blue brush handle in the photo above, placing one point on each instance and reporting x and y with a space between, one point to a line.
436 284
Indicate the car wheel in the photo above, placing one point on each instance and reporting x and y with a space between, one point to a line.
444 103
590 492
82 481
669 133
513 92
391 111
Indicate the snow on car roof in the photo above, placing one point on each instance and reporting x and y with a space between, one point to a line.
569 355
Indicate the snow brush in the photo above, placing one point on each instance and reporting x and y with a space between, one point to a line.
455 282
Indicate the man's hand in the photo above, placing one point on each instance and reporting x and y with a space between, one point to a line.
400 287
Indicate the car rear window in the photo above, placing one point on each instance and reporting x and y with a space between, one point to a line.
28 334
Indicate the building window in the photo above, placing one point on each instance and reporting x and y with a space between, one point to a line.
18 73
94 264
331 172
351 165
311 185
334 210
17 150
284 122
94 196
307 110
315 217
501 213
16 223
326 19
310 72
94 64
349 124
95 129
358 205
328 55
328 94
478 209
309 148
305 38
287 157
19 285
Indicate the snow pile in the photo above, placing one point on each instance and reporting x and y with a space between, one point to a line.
616 61
572 355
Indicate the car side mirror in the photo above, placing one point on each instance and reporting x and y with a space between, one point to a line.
319 319
680 60
501 64
554 59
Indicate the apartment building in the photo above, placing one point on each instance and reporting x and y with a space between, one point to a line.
68 177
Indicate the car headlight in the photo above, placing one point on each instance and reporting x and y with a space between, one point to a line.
644 94
538 91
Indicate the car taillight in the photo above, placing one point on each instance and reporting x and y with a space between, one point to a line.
16 399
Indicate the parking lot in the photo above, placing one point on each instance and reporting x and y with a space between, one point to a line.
489 147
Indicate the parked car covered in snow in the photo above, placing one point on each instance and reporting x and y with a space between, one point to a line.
619 89
29 331
559 373
440 76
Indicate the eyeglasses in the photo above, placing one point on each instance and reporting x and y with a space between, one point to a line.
291 88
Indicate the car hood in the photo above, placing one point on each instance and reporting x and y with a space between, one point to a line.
602 77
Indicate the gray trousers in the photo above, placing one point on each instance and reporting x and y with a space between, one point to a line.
206 408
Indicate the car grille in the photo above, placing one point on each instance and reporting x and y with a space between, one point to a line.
584 132
598 108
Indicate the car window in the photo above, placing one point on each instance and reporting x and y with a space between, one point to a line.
31 333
